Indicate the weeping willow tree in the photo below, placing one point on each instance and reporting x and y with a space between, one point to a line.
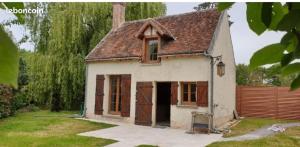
63 36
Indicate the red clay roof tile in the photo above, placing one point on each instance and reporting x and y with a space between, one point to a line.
193 33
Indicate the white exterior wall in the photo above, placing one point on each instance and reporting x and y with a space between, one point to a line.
171 69
224 87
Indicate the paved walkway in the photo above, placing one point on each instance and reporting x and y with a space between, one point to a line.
263 132
130 135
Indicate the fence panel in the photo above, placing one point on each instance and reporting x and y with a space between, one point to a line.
268 102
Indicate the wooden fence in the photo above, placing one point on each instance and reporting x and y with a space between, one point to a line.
271 102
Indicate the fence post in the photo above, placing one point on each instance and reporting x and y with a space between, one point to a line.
276 101
238 100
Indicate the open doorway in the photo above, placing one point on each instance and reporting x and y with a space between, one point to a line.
163 103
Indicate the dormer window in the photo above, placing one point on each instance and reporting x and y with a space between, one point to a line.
151 48
152 33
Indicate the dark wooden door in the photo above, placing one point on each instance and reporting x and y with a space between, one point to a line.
143 112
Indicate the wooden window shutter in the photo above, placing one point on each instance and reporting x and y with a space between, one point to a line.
202 93
99 95
125 95
174 93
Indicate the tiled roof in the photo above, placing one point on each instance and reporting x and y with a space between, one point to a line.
192 33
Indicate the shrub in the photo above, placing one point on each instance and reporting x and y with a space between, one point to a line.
32 108
20 99
5 101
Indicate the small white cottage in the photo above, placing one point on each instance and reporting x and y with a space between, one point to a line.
157 71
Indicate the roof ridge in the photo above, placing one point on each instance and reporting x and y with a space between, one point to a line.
167 16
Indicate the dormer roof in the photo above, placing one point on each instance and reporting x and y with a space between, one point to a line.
161 30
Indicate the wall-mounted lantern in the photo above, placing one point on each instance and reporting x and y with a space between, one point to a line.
220 68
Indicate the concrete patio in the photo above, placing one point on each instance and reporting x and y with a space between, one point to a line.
130 135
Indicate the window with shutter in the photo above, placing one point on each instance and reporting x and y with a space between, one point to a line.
119 95
188 93
115 95
150 49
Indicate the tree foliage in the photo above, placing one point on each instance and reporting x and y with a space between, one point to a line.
8 49
63 36
205 6
209 5
8 59
276 16
262 76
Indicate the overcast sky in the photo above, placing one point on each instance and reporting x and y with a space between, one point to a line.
245 42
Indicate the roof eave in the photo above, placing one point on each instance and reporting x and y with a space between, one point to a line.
112 59
180 54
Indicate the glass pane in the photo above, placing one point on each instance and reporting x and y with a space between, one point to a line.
113 102
113 94
185 92
185 88
113 82
120 97
113 89
193 87
185 96
193 92
152 48
193 97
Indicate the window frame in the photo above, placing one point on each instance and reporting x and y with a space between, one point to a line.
118 95
189 102
146 56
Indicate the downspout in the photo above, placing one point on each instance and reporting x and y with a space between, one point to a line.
211 89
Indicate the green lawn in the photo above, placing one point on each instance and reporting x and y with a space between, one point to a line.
44 128
290 138
250 124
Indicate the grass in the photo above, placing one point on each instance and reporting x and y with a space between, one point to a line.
250 124
289 138
44 128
